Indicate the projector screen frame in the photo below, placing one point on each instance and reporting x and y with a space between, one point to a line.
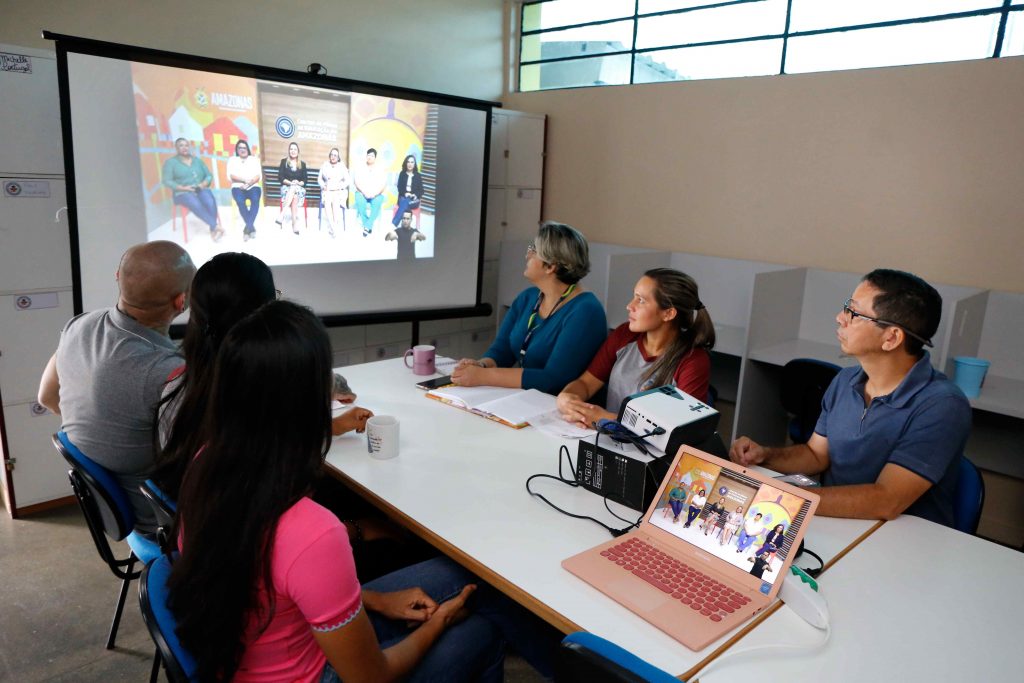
63 44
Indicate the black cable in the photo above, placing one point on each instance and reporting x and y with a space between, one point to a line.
575 484
813 573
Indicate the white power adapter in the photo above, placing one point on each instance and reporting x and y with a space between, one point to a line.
800 592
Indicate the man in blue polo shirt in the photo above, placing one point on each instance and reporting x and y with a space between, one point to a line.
891 431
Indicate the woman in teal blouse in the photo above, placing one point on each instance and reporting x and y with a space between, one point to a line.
552 329
189 180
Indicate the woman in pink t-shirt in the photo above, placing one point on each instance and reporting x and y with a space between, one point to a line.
667 340
265 588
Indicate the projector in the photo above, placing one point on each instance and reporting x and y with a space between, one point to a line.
682 418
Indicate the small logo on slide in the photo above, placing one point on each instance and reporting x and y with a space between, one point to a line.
12 189
284 126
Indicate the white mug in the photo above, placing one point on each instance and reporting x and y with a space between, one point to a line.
382 436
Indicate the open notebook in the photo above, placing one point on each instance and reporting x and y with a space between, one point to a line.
512 407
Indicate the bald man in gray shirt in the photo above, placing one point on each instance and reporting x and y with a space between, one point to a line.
110 366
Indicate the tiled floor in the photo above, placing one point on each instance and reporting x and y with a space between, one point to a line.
56 602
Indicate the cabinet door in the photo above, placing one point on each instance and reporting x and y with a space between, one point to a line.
35 250
495 222
39 473
499 149
27 340
522 213
525 151
30 111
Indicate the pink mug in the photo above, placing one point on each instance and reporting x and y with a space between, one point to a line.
422 359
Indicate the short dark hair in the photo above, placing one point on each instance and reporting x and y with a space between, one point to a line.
371 151
243 142
908 301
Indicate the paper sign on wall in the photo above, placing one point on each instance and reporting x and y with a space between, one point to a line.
21 64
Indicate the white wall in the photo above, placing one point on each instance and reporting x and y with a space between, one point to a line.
449 46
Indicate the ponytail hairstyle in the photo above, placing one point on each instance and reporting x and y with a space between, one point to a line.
265 434
674 289
227 288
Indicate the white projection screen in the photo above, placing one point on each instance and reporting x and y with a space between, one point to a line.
152 147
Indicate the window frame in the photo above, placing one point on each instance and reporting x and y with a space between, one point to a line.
1003 8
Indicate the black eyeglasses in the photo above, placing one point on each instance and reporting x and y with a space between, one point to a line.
878 321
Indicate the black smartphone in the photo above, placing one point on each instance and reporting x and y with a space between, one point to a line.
435 383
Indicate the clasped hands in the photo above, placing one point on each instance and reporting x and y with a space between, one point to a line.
470 372
415 607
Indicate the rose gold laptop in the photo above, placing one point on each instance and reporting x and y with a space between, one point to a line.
691 569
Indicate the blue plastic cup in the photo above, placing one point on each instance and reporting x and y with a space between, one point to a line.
969 374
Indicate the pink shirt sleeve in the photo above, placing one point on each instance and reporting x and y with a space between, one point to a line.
322 581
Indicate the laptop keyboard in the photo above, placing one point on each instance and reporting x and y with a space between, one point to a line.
695 589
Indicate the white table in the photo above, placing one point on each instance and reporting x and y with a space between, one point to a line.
915 601
459 482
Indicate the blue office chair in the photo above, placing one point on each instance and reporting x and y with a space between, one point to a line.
164 509
107 514
968 498
179 664
586 658
804 381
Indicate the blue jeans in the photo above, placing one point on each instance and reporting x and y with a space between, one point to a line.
374 210
201 203
248 211
472 650
744 541
404 204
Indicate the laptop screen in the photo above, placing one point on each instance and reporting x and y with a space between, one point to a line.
749 524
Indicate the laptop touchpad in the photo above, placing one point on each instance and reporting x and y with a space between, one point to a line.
638 594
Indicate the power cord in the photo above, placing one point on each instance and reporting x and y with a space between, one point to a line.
813 573
775 647
563 450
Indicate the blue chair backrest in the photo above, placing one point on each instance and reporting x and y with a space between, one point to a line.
587 658
181 666
969 497
112 504
804 381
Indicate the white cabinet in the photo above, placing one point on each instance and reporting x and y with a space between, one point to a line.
31 143
35 262
35 251
517 149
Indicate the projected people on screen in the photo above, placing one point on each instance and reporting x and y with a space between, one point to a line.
189 179
245 173
319 175
406 236
292 173
370 179
409 190
334 180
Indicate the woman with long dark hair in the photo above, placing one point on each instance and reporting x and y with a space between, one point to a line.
292 174
409 189
227 288
666 340
265 587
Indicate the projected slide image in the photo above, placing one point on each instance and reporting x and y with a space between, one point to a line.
288 173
